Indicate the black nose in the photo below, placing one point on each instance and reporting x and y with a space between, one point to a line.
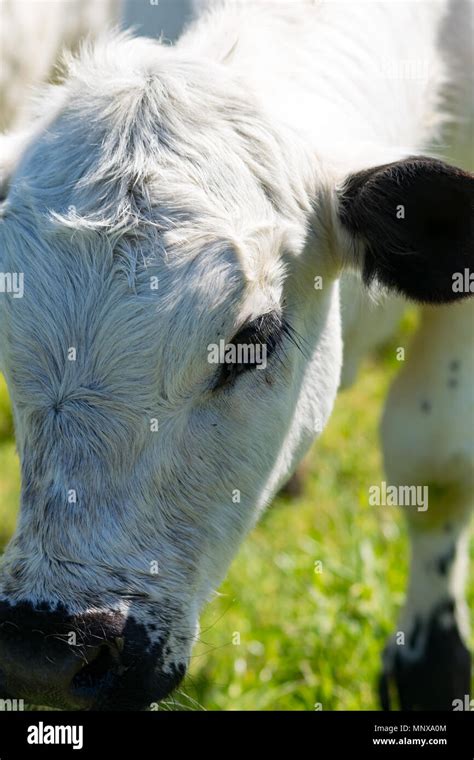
91 661
55 659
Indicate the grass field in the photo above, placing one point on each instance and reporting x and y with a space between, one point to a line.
306 637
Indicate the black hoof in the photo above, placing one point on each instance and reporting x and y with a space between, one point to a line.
438 678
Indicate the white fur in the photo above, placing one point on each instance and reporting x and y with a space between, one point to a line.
204 165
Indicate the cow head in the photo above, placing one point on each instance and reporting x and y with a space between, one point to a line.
175 350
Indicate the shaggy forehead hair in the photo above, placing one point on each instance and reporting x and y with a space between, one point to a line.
148 161
144 132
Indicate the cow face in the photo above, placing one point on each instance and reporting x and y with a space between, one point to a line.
156 365
176 349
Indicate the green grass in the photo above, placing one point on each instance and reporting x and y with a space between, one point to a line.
306 637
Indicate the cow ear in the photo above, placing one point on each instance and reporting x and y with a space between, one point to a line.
412 223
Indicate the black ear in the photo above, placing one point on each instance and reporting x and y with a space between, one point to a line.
415 221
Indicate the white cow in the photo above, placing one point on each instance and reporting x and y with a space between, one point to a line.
165 200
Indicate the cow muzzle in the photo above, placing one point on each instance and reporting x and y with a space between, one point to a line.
93 661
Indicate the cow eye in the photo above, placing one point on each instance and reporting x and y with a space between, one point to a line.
250 349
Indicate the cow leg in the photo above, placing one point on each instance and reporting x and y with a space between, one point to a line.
427 440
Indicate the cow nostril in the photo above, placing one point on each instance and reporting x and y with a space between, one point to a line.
96 673
39 663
